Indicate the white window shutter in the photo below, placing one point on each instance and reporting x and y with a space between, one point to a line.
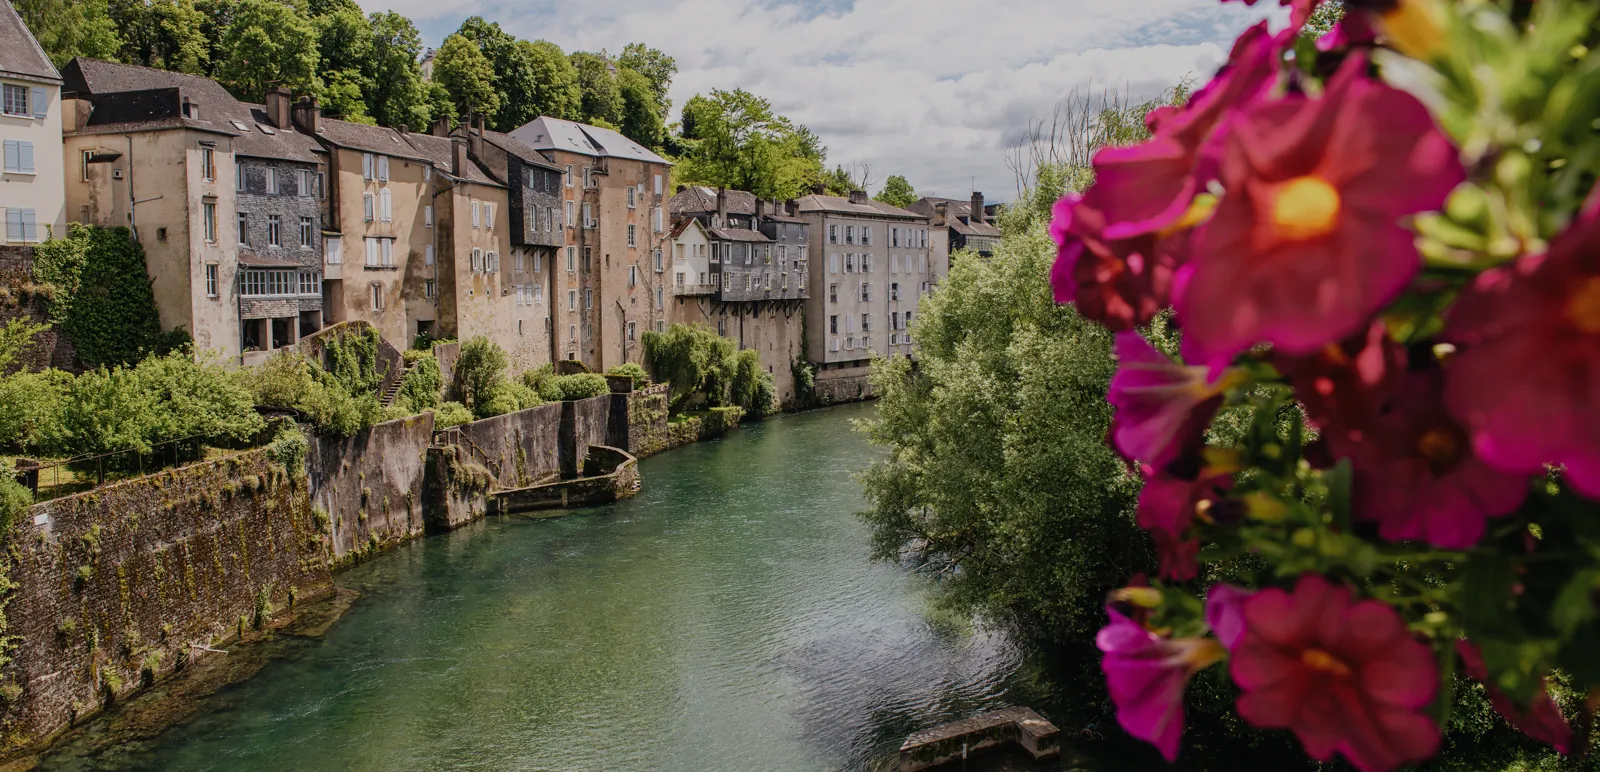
41 102
476 216
427 254
13 160
25 153
366 165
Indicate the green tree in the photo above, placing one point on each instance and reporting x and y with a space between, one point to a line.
897 192
468 76
218 15
398 94
102 298
480 374
733 139
517 71
166 34
641 122
750 386
555 92
601 98
70 29
268 44
1322 19
690 358
838 182
657 68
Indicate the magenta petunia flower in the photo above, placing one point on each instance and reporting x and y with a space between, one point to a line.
1541 719
1168 504
1345 676
1525 380
1300 10
1146 676
1306 244
1225 612
1120 284
1162 407
1145 188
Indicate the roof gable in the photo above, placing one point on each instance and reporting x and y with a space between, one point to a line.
20 54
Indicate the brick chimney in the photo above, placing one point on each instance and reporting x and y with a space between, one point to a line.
475 136
682 188
441 126
755 224
722 207
941 213
278 108
858 197
976 216
458 156
790 207
307 114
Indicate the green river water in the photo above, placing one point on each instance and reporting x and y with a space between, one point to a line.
728 618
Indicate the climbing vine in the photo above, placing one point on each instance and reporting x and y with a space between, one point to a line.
351 357
101 297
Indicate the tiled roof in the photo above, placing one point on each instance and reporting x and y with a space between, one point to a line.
519 149
679 226
615 145
955 210
441 152
699 199
131 98
367 139
546 133
872 208
20 54
738 234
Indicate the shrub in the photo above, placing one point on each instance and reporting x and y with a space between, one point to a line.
749 386
30 408
537 380
690 358
633 370
164 398
14 497
101 295
289 448
451 414
479 372
581 386
511 397
351 357
290 381
419 389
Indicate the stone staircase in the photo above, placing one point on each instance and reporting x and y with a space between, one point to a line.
389 394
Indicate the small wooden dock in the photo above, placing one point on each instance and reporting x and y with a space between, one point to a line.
959 740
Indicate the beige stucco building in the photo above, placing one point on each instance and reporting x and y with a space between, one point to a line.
32 194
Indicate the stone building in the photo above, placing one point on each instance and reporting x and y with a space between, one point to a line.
966 223
874 263
610 284
32 196
537 233
162 153
755 254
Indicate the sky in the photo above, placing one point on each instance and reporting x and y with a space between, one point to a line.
935 90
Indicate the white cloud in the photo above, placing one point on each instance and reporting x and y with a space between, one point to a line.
932 89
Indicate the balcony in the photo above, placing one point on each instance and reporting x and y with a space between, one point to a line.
695 289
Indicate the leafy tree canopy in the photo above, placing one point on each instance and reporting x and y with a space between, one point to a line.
897 192
69 29
268 44
462 69
734 139
601 96
641 122
657 68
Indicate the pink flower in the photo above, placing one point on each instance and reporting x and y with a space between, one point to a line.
1147 187
1345 676
1169 502
1146 676
1541 719
1306 244
1225 612
1119 283
1300 10
1162 407
1525 380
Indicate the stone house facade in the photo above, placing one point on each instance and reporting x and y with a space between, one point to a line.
966 223
610 285
32 188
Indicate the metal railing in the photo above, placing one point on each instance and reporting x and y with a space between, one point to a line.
161 455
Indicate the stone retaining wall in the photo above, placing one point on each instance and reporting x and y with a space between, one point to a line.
369 485
521 448
21 298
610 474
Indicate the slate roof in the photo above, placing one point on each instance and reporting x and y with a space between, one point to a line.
368 139
20 54
440 151
699 199
546 133
739 234
872 208
131 98
956 209
519 149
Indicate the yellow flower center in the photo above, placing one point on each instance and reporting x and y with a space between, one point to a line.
1199 211
1413 28
1583 308
1304 208
1319 660
1438 445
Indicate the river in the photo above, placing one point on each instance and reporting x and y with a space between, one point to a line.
727 618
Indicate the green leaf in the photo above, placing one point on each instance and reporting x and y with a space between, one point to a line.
1574 605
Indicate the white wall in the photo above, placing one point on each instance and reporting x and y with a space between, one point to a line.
42 191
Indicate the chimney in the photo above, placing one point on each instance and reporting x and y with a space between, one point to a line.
789 207
941 213
475 136
819 189
682 188
755 223
403 129
722 207
278 108
441 126
458 156
858 197
307 115
976 216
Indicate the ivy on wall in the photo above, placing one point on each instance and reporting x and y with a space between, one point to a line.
101 296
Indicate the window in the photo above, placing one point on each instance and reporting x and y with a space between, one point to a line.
833 293
866 263
388 251
659 266
655 217
16 100
633 276
538 263
19 156
866 235
572 258
517 263
572 301
849 234
715 258
568 177
306 235
833 324
272 181
588 177
588 219
310 283
208 215
488 216
238 176
372 251
427 216
476 261
833 234
208 164
631 202
366 203
630 330
430 288
277 282
894 291
493 261
302 182
427 254
866 322
274 230
588 252
568 221
631 240
849 263
21 225
588 299
383 168
366 166
212 284
658 184
385 206
866 291
377 296
833 262
660 303
331 247
244 228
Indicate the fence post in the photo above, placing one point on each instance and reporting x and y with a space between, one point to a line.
100 470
